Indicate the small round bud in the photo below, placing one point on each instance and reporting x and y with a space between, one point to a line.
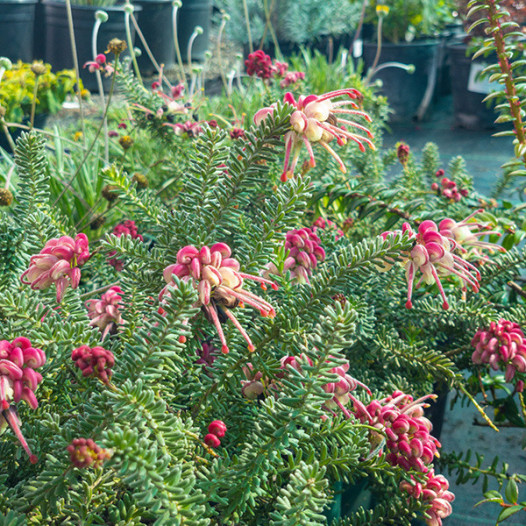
101 16
116 46
38 68
226 17
137 51
198 30
212 441
6 197
128 8
126 142
97 222
5 63
177 3
140 180
217 428
109 192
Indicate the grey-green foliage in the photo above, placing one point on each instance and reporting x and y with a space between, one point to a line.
297 22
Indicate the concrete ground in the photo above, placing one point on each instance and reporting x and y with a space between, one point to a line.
484 155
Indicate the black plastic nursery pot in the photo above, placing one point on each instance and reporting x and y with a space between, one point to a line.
157 29
17 20
194 13
468 94
408 94
57 42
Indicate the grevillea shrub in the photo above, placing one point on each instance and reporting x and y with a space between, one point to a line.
204 383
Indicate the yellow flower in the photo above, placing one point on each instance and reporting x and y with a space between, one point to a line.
78 136
382 9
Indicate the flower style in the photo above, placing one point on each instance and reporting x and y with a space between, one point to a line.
58 262
104 313
409 443
304 252
433 255
217 278
18 381
127 228
95 361
260 64
85 453
315 120
502 345
434 491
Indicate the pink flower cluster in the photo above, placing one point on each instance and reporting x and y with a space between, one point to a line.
127 228
316 120
409 442
433 491
291 78
18 381
58 262
448 188
502 345
327 224
433 254
96 362
304 252
219 282
189 129
104 313
85 453
99 64
216 430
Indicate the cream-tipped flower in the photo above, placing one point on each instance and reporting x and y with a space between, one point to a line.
58 262
217 278
316 120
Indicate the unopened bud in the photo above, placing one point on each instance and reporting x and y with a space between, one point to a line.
140 180
38 68
101 16
109 192
126 142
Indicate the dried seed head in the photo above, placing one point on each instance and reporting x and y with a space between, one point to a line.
97 222
6 197
109 192
126 142
116 46
140 180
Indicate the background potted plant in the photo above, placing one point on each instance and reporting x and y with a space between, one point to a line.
468 93
57 37
405 32
17 93
288 24
17 18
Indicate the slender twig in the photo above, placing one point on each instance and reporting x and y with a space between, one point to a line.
359 27
94 35
96 291
76 66
10 141
182 75
247 20
128 8
479 409
34 102
149 51
378 50
224 20
517 288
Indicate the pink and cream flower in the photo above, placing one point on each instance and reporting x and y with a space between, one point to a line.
18 381
104 313
218 279
58 263
316 120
